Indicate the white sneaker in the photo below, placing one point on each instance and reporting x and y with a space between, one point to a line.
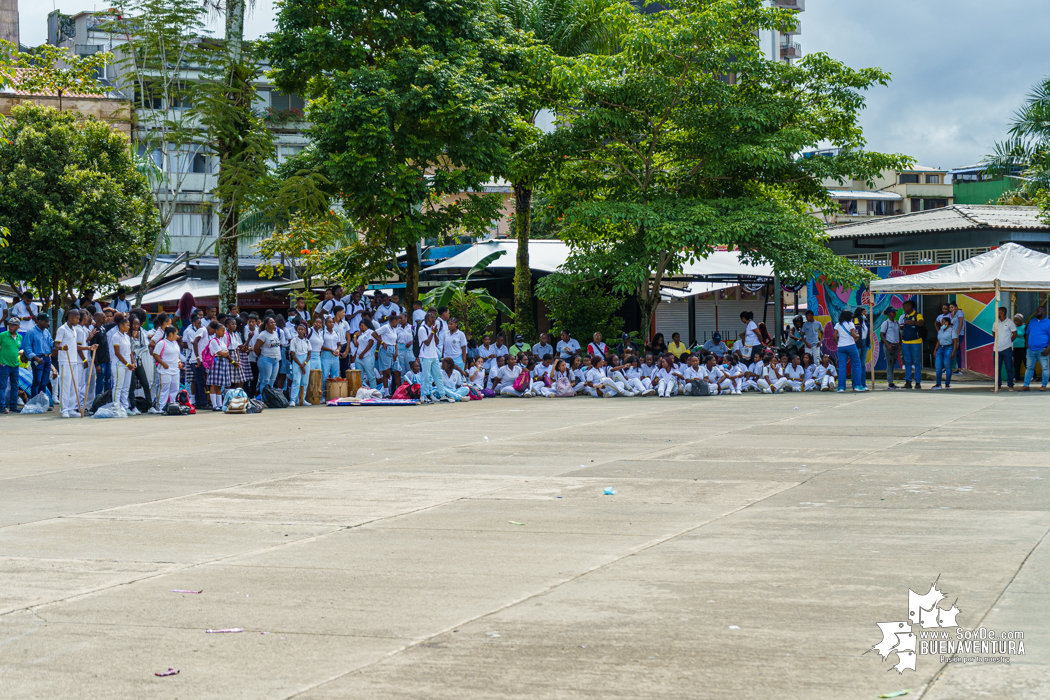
307 403
134 412
448 399
154 411
648 392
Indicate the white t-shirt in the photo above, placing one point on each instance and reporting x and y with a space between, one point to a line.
387 335
844 337
68 337
168 351
453 381
215 345
383 313
1005 330
891 332
25 315
454 344
507 375
488 354
794 373
566 349
404 338
751 335
271 344
299 346
119 341
316 338
122 305
477 376
418 316
427 350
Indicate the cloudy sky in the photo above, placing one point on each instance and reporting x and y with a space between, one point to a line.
960 67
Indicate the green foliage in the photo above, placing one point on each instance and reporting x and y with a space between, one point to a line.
1026 152
50 69
476 307
410 110
582 308
664 155
79 211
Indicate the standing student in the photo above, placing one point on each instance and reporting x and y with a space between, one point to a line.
166 354
196 336
342 327
315 335
187 307
26 312
123 363
220 375
268 349
38 346
70 360
386 339
891 342
947 341
455 345
240 370
431 384
911 345
365 359
330 343
752 343
9 348
959 326
1006 333
121 303
813 335
847 350
1019 347
140 351
299 313
405 352
299 359
860 322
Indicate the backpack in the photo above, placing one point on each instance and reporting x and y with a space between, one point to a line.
207 359
235 401
699 387
488 393
474 394
254 406
413 391
522 381
563 387
401 392
173 409
274 398
101 400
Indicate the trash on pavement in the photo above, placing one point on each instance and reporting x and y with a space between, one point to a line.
733 627
228 630
110 410
896 694
515 522
181 590
169 672
609 491
37 404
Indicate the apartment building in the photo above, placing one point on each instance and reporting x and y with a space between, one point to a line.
783 45
195 223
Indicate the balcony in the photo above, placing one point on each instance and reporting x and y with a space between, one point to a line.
790 51
797 5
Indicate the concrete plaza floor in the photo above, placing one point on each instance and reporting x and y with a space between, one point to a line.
468 551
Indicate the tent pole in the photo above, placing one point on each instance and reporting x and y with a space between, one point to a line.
871 337
995 339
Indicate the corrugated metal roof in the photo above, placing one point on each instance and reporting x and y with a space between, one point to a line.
865 194
957 217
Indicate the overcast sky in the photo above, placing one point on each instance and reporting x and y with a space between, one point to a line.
960 67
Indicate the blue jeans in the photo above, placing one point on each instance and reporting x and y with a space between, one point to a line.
296 376
268 367
850 353
1006 366
103 378
9 386
431 370
41 376
1036 355
329 368
911 355
367 365
957 357
943 363
862 353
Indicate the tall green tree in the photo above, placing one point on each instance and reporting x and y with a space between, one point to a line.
410 113
1026 151
79 211
688 138
48 69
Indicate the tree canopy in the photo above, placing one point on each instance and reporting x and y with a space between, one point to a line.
80 212
688 138
410 114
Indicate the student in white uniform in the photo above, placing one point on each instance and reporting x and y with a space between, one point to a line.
432 388
414 375
796 375
508 374
577 375
405 353
315 334
123 365
367 340
487 352
666 379
70 362
634 379
754 374
26 312
542 381
598 382
167 355
120 304
824 374
453 380
454 346
567 346
299 359
774 376
732 376
386 340
711 374
476 374
544 347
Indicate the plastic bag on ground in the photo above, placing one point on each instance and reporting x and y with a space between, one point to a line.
366 393
37 404
110 410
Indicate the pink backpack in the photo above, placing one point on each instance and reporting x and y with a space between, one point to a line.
522 382
207 359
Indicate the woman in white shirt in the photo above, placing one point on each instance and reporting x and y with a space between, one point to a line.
847 336
405 353
299 358
508 375
123 364
752 343
268 349
453 380
822 375
476 374
432 388
774 375
315 334
577 374
732 376
796 375
366 353
487 352
167 353
666 382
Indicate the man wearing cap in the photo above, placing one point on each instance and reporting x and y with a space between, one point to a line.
9 347
716 347
627 348
520 345
38 347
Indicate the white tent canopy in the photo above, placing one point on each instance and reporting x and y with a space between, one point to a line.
204 289
549 256
1009 268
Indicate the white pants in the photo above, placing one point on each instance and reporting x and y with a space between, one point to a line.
169 388
750 384
121 385
814 352
827 382
731 385
579 388
542 389
667 387
793 384
811 385
768 387
68 374
609 388
509 390
636 386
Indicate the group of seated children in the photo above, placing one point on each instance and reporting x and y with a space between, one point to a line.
701 374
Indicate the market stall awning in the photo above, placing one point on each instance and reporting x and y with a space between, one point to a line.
205 289
549 256
1009 268
694 288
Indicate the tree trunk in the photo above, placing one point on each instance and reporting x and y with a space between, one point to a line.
523 317
411 277
647 300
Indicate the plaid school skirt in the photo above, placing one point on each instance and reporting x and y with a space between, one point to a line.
221 372
242 372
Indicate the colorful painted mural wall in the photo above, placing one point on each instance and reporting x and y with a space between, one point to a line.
827 302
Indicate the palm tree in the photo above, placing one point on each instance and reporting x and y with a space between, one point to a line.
462 301
568 28
1026 152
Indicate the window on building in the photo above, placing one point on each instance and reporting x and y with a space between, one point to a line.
933 179
880 207
282 101
909 178
190 220
848 206
916 204
290 152
934 203
200 163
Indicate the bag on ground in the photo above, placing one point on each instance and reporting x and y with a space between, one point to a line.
235 401
110 410
563 387
101 400
699 388
37 404
255 406
522 381
274 398
402 392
